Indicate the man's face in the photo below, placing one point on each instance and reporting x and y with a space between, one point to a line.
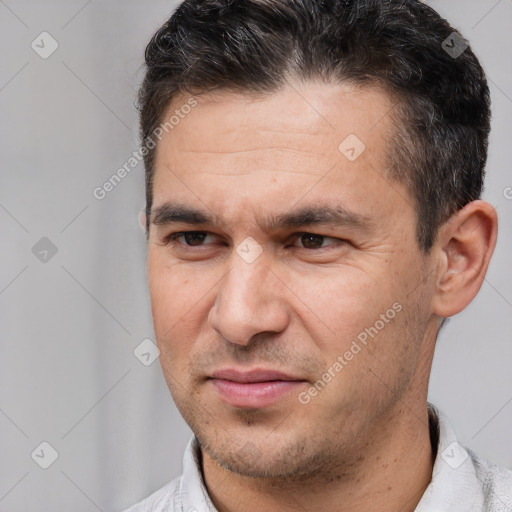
315 327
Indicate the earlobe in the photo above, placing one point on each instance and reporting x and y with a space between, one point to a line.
465 244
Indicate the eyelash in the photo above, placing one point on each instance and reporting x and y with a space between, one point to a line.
171 240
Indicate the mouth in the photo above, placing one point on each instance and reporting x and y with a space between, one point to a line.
255 388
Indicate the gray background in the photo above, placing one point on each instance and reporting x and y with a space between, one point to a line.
70 324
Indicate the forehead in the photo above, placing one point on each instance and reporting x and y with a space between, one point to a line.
305 139
319 115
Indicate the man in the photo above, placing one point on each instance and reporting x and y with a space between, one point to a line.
313 174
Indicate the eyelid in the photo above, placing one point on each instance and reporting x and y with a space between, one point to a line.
171 238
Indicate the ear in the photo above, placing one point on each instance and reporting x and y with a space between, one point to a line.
142 220
464 246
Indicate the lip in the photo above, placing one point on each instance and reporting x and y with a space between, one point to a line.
255 388
251 376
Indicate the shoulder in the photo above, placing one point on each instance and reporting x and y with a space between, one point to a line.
163 500
496 483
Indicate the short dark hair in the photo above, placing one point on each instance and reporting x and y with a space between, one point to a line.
442 105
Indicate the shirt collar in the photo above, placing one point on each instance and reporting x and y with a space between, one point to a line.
454 485
193 494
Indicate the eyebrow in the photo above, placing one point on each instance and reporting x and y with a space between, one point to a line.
170 213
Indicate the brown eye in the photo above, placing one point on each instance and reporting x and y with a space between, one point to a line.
311 241
194 237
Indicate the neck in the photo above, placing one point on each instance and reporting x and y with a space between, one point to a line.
393 469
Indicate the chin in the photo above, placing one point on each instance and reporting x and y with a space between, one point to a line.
259 455
251 462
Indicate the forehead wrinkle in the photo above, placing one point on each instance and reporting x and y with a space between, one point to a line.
310 172
262 148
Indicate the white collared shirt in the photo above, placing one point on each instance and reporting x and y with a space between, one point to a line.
461 481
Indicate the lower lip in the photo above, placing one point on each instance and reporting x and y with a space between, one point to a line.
253 395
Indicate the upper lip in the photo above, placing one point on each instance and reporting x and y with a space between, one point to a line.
256 375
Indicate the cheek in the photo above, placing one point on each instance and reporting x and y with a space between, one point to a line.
176 294
340 304
362 339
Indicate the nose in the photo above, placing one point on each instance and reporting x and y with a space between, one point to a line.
250 300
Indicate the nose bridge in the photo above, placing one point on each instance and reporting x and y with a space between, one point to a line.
248 281
248 301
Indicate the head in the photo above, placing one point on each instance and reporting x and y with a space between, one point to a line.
326 160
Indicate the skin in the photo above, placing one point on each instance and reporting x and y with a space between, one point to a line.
362 443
